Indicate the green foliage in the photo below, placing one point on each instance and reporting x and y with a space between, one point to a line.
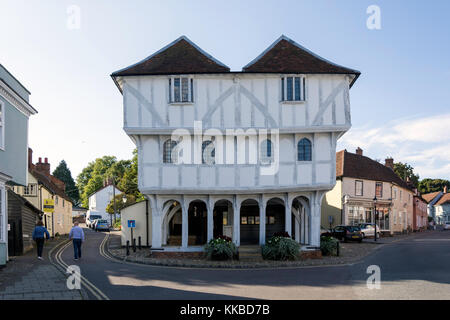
117 223
328 246
281 248
63 173
131 199
404 170
433 185
220 248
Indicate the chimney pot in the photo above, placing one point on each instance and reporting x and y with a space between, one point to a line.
40 160
30 157
389 162
359 151
46 160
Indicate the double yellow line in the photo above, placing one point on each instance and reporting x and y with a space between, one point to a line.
62 266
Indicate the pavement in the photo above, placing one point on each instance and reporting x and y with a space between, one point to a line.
27 278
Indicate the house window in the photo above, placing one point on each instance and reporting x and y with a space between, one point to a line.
358 188
30 190
2 126
379 189
56 199
170 154
266 152
208 152
394 195
304 150
293 88
181 90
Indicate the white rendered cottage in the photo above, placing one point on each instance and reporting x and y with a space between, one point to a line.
243 154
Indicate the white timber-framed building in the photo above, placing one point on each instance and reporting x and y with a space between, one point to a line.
242 154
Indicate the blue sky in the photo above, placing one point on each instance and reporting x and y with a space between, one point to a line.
400 104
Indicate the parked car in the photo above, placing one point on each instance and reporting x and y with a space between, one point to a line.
346 233
101 224
90 220
368 230
447 225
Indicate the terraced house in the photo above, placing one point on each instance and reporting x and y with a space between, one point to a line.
236 153
15 110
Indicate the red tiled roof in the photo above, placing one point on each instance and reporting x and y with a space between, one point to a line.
444 199
48 183
180 57
287 56
356 166
430 196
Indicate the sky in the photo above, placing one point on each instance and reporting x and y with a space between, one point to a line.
400 105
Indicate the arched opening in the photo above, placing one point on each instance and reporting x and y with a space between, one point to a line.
172 224
304 150
275 217
197 223
249 224
223 219
300 220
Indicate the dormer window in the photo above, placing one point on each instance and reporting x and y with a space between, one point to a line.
181 90
293 88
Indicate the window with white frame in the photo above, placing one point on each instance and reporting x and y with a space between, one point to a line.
2 125
181 90
358 188
293 88
266 153
30 190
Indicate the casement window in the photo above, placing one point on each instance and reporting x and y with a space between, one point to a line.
293 88
181 90
304 152
208 152
56 200
379 189
30 190
266 152
358 188
170 154
2 126
394 193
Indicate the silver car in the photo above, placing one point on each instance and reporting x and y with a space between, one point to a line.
368 230
447 225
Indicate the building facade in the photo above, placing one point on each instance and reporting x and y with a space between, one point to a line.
99 200
243 154
366 190
15 111
420 212
41 186
442 208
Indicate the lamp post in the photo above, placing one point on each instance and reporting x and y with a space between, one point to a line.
345 198
375 216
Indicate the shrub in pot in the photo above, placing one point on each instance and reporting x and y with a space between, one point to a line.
220 248
328 245
281 247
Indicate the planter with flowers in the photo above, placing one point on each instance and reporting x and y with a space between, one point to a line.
281 247
221 248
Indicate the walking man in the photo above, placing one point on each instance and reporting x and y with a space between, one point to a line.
77 235
38 236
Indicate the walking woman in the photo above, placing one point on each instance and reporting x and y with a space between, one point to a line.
38 236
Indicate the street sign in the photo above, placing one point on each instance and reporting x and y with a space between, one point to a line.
131 223
49 205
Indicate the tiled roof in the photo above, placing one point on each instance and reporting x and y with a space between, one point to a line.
356 166
180 57
430 196
444 199
48 183
287 56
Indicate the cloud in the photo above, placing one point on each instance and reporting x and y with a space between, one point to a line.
423 142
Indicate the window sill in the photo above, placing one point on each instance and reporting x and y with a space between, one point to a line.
181 103
293 102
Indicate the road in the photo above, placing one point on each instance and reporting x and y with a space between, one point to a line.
413 268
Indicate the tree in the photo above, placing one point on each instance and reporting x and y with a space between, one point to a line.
404 171
63 173
131 199
432 185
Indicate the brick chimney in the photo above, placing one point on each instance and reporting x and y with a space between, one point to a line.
43 167
359 151
389 162
30 158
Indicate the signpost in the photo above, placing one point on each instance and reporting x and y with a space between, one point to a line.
132 225
49 207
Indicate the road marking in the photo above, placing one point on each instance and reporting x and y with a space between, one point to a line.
84 281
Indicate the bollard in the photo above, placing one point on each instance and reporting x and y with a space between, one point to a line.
337 249
134 245
139 243
128 247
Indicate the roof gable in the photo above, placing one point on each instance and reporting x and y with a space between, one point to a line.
444 199
431 196
287 56
182 56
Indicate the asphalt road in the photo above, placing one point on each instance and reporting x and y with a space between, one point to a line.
413 268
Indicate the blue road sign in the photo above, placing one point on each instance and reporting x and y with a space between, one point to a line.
131 223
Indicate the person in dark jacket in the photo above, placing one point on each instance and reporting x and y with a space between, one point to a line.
38 235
